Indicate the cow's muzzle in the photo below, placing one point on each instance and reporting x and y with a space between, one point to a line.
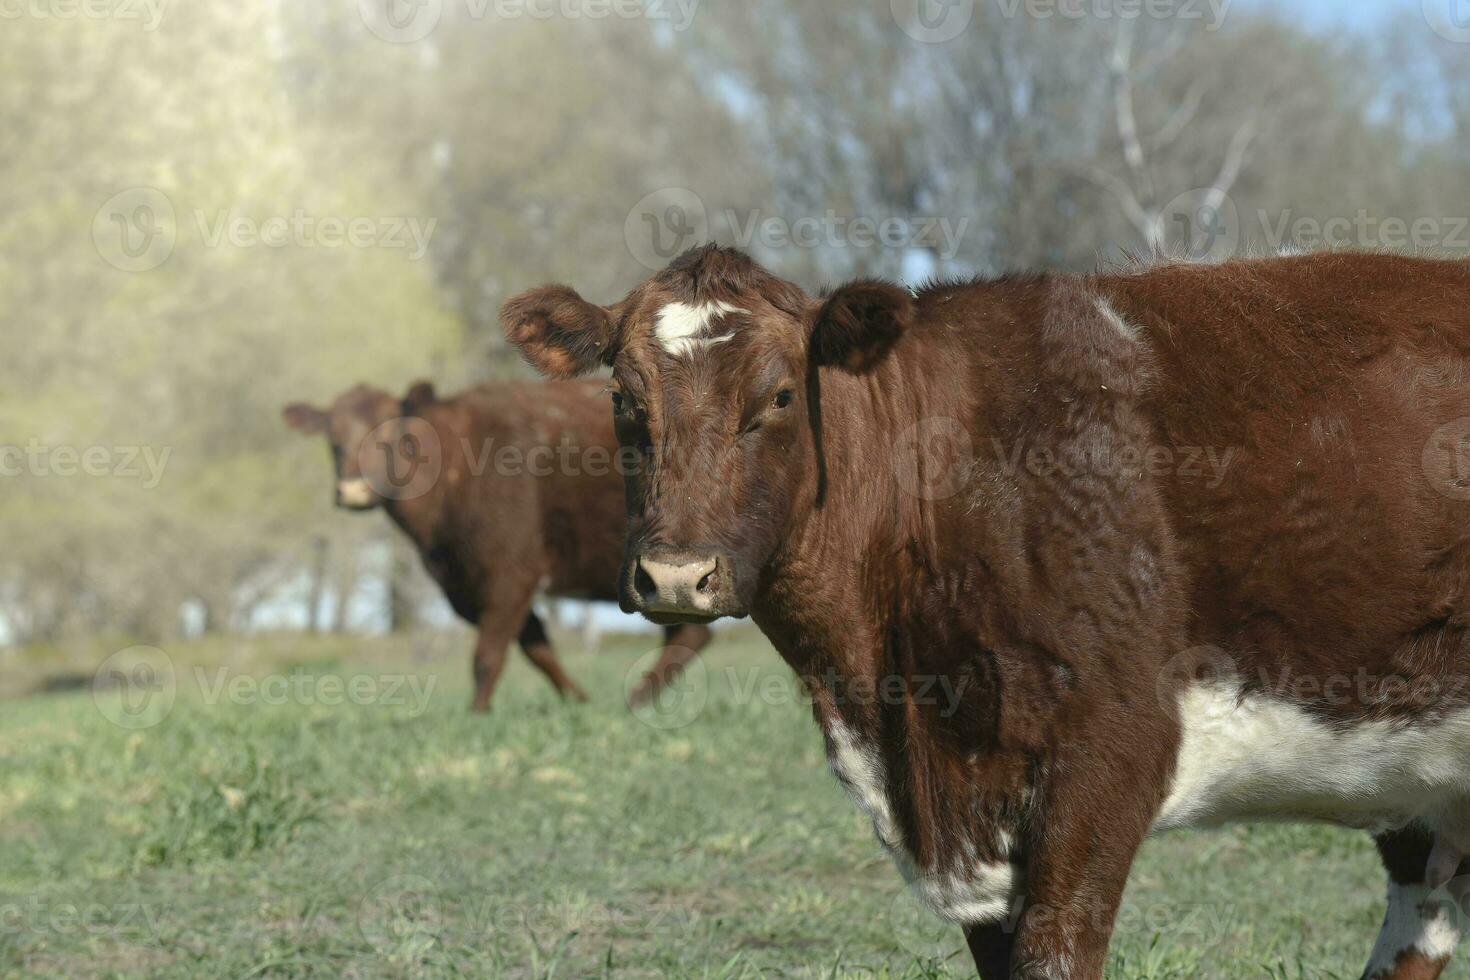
671 586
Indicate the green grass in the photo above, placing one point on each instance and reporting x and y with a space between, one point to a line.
257 831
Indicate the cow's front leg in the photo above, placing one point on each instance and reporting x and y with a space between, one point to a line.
991 947
1080 851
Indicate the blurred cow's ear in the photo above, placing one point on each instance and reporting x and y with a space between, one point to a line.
303 418
558 332
856 325
420 394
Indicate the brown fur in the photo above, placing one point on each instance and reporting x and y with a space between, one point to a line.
492 533
876 529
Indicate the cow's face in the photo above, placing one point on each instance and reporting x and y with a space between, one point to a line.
362 428
715 383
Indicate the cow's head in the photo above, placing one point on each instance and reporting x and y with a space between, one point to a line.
364 466
715 365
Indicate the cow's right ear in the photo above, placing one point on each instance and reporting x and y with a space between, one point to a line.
855 326
558 332
303 418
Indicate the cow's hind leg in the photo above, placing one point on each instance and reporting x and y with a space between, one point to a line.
1422 926
681 645
538 649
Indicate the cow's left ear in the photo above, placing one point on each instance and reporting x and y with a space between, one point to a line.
855 326
420 394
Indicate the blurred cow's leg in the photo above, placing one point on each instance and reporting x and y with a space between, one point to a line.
681 645
1421 927
538 649
489 661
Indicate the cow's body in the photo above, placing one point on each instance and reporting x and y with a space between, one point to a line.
1189 542
1314 582
525 494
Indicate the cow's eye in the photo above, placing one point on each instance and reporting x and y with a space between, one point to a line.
618 401
783 398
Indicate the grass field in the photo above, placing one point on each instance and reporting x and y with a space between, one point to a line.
289 807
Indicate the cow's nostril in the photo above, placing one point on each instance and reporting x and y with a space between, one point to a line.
705 581
643 583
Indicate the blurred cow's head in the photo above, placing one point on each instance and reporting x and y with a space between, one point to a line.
715 382
365 427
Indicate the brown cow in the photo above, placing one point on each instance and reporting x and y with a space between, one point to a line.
504 489
1068 559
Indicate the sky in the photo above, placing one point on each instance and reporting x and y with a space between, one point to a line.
1351 14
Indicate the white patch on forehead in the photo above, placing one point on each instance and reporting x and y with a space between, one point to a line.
680 326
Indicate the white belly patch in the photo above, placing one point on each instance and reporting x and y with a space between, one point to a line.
1262 758
965 889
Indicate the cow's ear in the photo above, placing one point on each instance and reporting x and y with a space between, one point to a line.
855 326
304 418
420 394
558 332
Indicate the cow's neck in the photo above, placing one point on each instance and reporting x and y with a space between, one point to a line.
421 518
835 592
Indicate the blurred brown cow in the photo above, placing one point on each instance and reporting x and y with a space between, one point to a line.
504 489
